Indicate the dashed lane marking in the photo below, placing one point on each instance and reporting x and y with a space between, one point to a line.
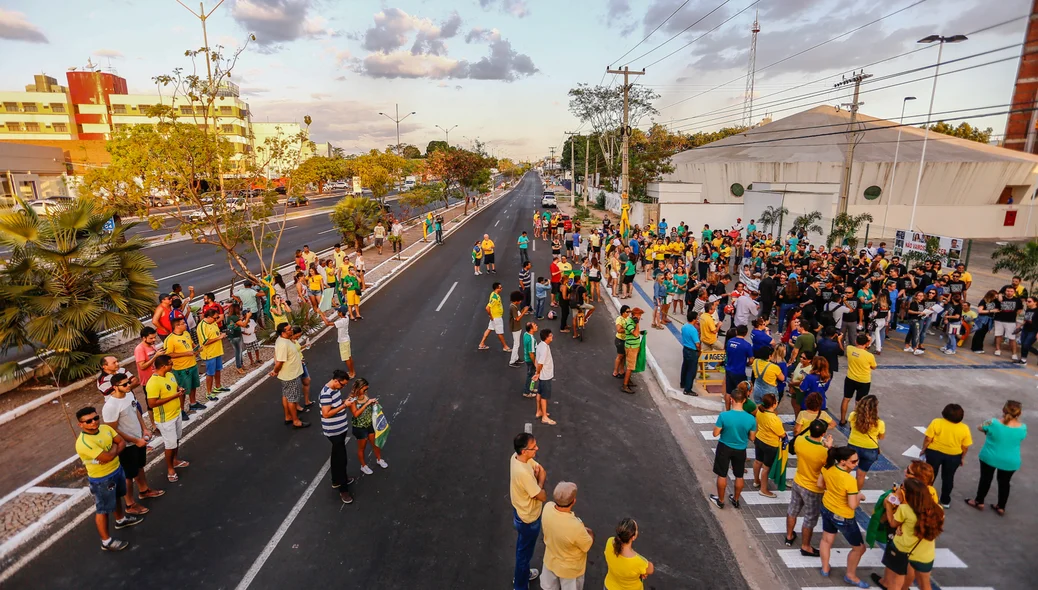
440 306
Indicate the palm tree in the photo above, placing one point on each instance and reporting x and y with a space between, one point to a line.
355 218
808 223
65 282
772 217
845 229
1019 259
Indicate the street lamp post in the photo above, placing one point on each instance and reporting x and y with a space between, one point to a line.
447 133
893 171
397 120
929 113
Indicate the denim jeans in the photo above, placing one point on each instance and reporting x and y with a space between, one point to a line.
980 329
785 310
689 367
879 334
525 543
523 256
237 344
1027 340
540 307
912 339
949 464
924 325
954 329
531 368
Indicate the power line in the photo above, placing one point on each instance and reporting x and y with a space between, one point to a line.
682 31
812 48
726 21
617 60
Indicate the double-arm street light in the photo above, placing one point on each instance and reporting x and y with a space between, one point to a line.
893 171
929 113
447 133
397 120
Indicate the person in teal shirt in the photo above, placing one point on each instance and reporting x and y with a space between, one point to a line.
752 227
1001 454
524 243
735 430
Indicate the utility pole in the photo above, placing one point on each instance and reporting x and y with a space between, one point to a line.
202 15
572 167
446 132
552 166
587 152
625 182
845 181
397 120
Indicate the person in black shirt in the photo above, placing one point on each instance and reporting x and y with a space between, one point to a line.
914 315
852 318
986 309
956 284
1005 319
1029 329
953 315
768 292
895 263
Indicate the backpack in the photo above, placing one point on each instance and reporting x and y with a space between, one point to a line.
574 296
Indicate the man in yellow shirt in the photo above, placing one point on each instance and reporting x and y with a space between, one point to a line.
98 447
164 399
527 493
181 349
860 364
708 328
566 541
339 256
488 253
211 339
496 311
805 497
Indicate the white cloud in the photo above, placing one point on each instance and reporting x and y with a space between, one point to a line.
15 27
111 53
403 64
278 21
516 8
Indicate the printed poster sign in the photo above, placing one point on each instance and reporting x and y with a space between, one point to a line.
949 249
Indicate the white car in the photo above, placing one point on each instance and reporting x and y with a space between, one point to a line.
548 200
202 213
336 185
236 205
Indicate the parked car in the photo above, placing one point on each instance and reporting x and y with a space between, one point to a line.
336 185
237 204
202 213
297 201
548 200
281 190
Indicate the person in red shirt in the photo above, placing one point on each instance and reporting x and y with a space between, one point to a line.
160 319
556 281
209 302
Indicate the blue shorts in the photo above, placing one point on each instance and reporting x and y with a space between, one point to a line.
732 380
306 373
213 366
866 457
831 523
107 491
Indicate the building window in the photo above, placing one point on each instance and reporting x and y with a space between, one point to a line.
143 108
12 126
29 107
11 107
187 110
57 107
32 127
60 128
118 109
227 128
227 111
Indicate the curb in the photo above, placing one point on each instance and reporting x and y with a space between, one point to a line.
661 377
250 382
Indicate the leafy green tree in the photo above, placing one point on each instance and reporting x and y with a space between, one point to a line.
808 223
65 281
318 170
411 152
846 228
355 218
1019 259
458 169
772 218
379 171
963 131
419 198
434 146
602 107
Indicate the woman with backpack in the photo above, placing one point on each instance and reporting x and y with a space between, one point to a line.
766 375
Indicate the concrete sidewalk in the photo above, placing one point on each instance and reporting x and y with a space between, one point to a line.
41 482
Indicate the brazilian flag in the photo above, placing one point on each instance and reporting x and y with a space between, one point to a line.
777 474
378 420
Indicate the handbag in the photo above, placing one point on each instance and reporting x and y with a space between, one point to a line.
895 559
792 443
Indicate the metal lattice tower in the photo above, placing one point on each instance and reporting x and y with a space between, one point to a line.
751 71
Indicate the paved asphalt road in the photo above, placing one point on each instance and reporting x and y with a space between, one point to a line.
440 516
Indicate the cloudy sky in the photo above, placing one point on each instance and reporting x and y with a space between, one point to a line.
500 69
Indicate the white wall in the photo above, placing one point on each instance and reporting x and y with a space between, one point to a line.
675 192
721 215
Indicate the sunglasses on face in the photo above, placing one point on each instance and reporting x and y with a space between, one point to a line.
91 420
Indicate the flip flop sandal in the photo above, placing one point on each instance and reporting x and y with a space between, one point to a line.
182 464
548 421
973 504
173 478
137 510
483 348
153 494
790 541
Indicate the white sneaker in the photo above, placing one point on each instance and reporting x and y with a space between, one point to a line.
998 352
383 464
366 470
908 349
978 352
1016 358
946 351
919 352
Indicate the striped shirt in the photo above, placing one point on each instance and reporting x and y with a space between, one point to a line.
524 279
339 423
104 380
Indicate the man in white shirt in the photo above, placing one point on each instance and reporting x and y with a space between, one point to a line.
746 309
397 231
342 326
544 373
380 236
122 412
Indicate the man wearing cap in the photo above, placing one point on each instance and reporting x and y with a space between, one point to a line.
342 327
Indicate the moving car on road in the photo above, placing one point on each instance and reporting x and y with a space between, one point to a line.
297 201
548 200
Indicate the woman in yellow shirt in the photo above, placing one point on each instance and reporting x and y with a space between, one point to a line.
813 411
919 521
945 443
866 432
840 498
766 374
626 569
770 433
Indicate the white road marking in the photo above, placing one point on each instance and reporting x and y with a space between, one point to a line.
273 543
872 558
289 227
535 245
328 230
712 418
497 222
913 452
401 406
777 524
528 429
50 490
922 430
783 498
183 273
440 306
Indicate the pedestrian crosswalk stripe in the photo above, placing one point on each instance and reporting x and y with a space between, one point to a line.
750 453
783 497
709 435
777 524
872 558
921 429
791 472
712 418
